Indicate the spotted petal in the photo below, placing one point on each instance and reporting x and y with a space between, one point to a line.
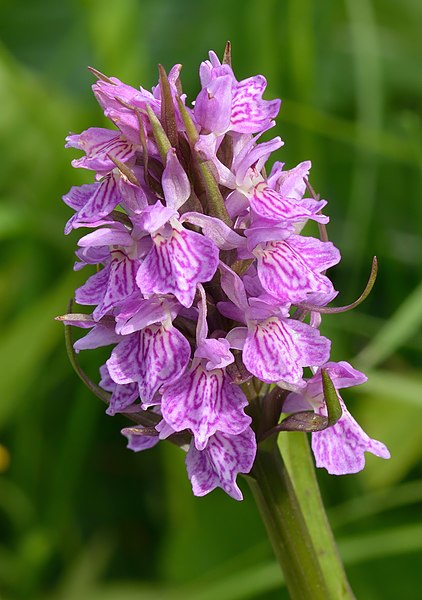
177 263
278 349
152 357
271 205
104 199
205 402
121 283
288 275
219 463
341 448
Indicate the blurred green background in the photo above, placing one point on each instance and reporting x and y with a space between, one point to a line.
83 518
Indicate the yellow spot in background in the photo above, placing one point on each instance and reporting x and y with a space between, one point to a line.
4 458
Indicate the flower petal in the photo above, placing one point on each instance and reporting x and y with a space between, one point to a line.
250 113
341 448
105 198
176 264
122 396
205 402
94 289
213 105
155 356
222 236
219 463
121 283
286 274
175 182
271 205
98 143
139 439
98 337
278 349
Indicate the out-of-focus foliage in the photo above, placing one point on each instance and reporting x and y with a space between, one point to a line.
82 517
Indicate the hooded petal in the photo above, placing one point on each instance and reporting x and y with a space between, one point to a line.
175 182
205 402
290 183
216 352
214 104
219 463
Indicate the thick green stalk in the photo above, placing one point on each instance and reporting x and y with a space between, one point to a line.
311 571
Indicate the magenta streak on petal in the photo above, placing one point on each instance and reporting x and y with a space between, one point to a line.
271 205
122 396
205 402
220 462
102 202
250 113
341 448
271 354
96 153
151 357
177 263
92 292
317 254
284 274
78 196
121 283
165 353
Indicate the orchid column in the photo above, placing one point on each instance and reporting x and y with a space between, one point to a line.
211 298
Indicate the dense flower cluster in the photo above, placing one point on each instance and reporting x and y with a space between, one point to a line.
204 281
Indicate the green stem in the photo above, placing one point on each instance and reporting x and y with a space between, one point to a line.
296 524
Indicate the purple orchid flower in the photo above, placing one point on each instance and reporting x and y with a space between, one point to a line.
203 278
205 400
341 448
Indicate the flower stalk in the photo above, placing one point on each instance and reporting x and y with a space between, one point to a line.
290 506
